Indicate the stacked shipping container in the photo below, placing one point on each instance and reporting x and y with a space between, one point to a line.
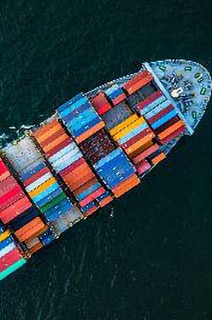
165 122
16 210
127 129
139 81
11 258
80 118
41 186
115 94
117 172
67 160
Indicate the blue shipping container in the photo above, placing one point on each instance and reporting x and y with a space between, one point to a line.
70 102
50 197
164 119
45 193
91 189
153 104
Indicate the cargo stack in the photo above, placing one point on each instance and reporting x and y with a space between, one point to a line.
127 129
11 257
132 134
117 172
80 117
165 122
16 210
135 136
115 94
67 160
100 103
155 100
139 81
94 149
41 186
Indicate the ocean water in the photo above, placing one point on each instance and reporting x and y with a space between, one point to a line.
148 255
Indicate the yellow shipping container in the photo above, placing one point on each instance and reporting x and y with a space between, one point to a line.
128 129
124 124
42 187
5 235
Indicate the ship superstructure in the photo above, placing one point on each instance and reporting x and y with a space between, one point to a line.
95 148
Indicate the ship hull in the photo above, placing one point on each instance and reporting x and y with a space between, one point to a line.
94 149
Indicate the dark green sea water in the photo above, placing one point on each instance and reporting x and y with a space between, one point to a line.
152 258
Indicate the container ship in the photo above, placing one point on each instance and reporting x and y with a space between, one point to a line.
95 148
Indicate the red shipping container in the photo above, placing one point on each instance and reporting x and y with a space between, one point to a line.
15 191
4 176
7 185
59 147
72 167
54 136
173 135
103 109
136 138
99 101
119 99
3 167
149 100
160 114
145 153
138 85
10 258
137 78
92 196
90 211
36 176
142 167
11 200
15 209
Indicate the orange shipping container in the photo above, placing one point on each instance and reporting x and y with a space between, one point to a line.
136 79
36 247
171 129
28 226
126 185
54 143
158 158
90 132
141 149
84 187
39 232
45 129
140 143
70 177
31 232
79 172
145 153
53 137
105 201
76 183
